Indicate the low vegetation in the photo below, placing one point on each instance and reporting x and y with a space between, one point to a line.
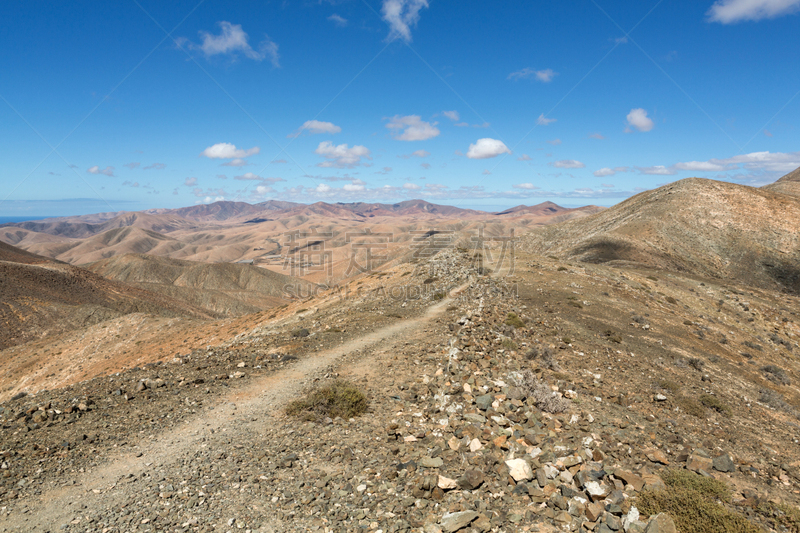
712 402
337 399
515 321
542 394
695 503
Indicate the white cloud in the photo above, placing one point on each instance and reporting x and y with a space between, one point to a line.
322 188
544 76
426 166
190 182
228 151
413 128
554 142
603 172
462 125
638 119
341 156
248 176
607 185
354 187
598 136
452 115
658 170
131 165
524 157
108 171
526 186
264 189
236 163
487 172
486 148
767 161
542 121
401 15
315 126
700 166
416 153
338 20
732 11
568 163
233 40
411 186
156 166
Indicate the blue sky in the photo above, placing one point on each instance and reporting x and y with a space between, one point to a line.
109 106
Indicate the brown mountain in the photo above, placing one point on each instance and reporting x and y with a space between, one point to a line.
42 297
789 184
699 226
221 288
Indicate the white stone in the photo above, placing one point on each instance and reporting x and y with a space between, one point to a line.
445 483
519 469
475 445
550 472
632 516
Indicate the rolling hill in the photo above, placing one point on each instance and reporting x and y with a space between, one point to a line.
222 288
703 227
40 297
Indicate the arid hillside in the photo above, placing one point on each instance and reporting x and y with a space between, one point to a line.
40 298
227 289
789 184
275 234
701 227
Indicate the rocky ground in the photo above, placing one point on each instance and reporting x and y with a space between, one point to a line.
548 398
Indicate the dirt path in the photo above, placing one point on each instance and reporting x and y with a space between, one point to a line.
240 412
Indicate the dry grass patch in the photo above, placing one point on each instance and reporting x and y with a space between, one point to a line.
696 503
337 399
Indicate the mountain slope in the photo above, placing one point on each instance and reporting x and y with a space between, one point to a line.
789 184
703 227
39 297
222 288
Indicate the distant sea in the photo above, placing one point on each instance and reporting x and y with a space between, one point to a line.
6 220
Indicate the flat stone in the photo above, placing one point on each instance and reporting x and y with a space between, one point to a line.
431 462
519 469
472 479
658 456
595 490
653 482
475 445
484 402
631 479
452 522
724 463
475 417
594 511
695 463
445 483
661 523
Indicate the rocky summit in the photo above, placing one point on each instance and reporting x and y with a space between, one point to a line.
455 392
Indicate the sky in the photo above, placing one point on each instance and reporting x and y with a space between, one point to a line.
142 104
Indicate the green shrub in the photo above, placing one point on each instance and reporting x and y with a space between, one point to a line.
340 398
690 406
439 295
692 501
671 300
513 320
712 402
785 515
776 374
562 269
508 344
